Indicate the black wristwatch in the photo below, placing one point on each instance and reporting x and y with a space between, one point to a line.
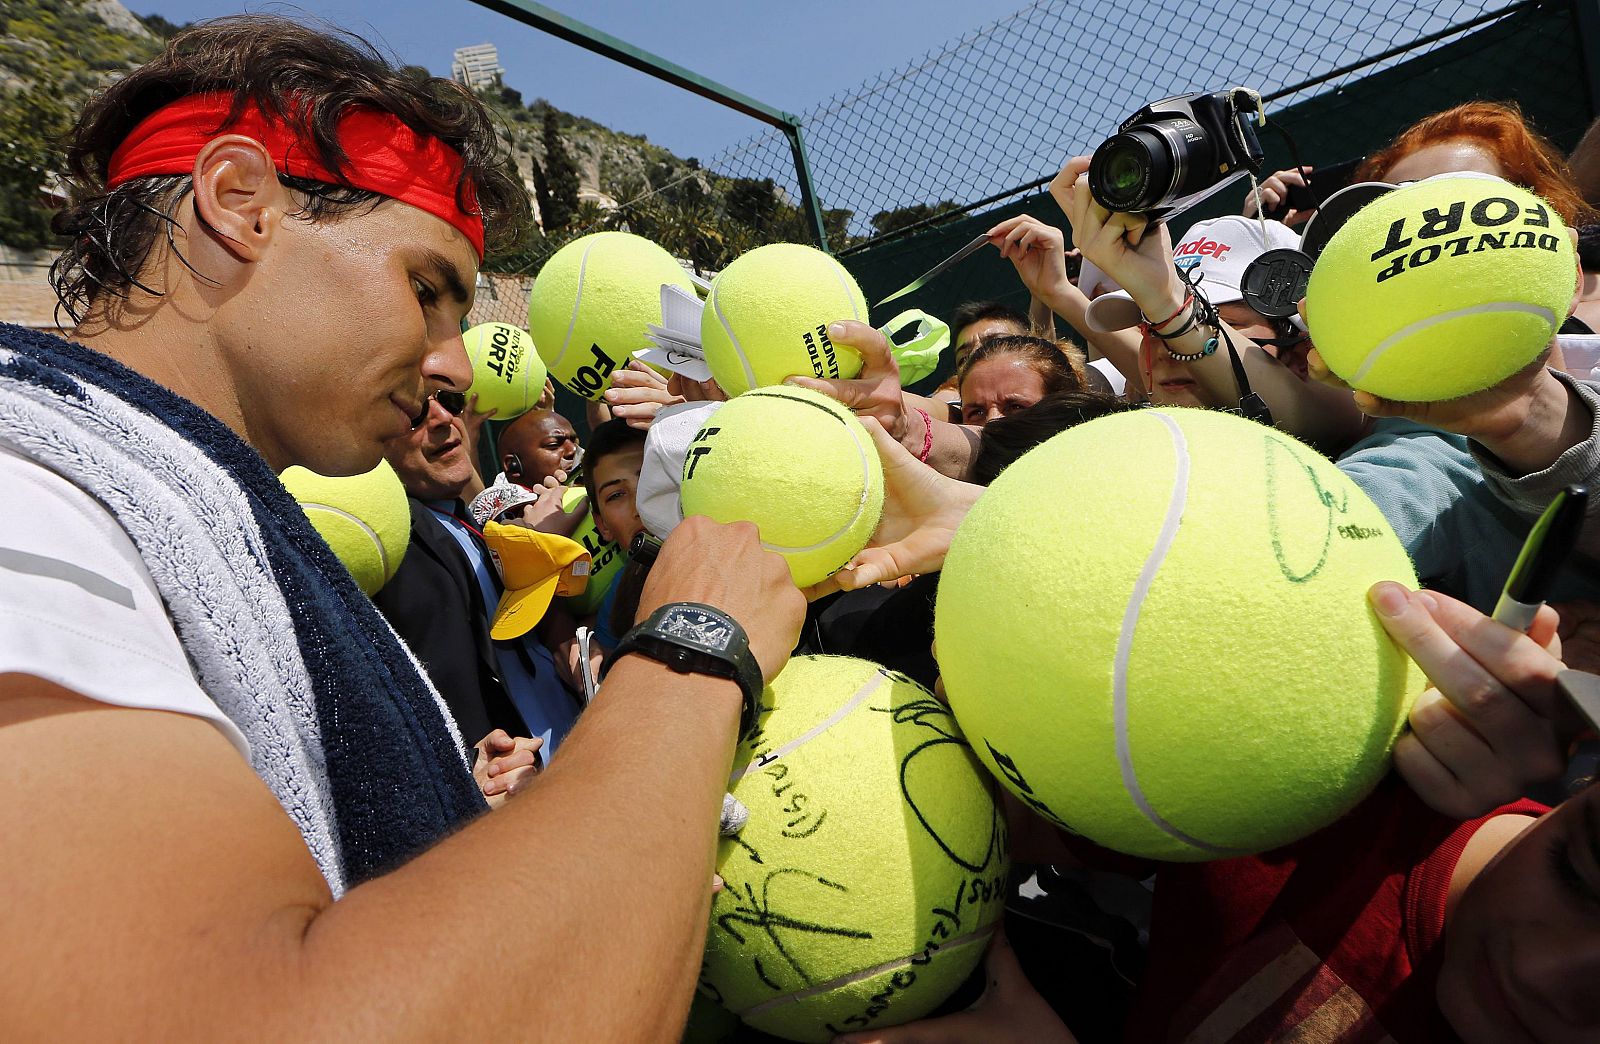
696 639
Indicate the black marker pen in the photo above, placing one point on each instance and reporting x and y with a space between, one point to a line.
1542 556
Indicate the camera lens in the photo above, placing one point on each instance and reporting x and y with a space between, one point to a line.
1131 172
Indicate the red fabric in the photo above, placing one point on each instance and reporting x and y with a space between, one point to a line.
383 154
1332 939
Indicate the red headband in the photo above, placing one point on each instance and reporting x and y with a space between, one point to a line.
384 155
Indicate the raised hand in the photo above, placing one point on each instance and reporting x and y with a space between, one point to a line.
1492 723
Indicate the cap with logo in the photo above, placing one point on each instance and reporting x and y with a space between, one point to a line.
534 568
1220 249
501 496
661 475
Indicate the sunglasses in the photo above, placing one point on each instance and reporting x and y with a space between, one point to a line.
452 401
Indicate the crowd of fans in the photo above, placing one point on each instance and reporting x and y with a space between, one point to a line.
278 833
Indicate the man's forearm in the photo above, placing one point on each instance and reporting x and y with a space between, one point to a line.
1556 420
488 921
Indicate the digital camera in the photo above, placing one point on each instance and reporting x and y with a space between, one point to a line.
1171 154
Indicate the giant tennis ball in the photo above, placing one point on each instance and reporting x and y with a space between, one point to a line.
797 464
591 303
767 318
366 519
1205 678
871 871
507 373
605 557
1441 288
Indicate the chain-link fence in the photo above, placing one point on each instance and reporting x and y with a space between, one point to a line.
1531 55
921 158
1005 104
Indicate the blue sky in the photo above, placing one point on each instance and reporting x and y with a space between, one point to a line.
905 103
788 55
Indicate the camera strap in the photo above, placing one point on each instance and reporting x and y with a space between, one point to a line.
1251 405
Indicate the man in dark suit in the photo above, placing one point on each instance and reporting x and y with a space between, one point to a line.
443 599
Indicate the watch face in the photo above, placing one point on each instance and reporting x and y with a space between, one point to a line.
707 630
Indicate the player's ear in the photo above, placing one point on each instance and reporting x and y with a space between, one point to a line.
237 194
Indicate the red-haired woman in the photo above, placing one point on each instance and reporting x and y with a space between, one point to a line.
1489 138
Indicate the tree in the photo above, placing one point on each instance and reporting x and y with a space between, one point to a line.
32 124
886 221
753 203
160 26
836 223
558 198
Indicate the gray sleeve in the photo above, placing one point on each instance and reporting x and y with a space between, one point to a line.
1528 495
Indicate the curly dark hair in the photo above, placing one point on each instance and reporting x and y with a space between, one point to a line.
291 72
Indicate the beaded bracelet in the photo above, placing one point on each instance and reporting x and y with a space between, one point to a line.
1189 357
1204 315
927 438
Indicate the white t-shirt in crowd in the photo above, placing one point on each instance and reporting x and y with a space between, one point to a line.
78 606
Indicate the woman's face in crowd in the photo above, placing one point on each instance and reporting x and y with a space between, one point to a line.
1444 158
1522 953
1172 383
997 386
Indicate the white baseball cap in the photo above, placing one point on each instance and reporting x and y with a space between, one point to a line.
665 447
1220 249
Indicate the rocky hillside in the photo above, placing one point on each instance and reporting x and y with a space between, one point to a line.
582 175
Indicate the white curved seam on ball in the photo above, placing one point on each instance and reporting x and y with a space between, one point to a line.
861 694
1460 313
839 274
577 301
861 507
383 553
733 338
862 975
1130 623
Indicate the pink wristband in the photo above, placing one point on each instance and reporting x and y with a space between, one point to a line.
927 438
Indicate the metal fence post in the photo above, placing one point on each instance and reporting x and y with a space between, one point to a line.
808 193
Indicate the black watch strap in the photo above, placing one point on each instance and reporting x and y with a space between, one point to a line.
693 638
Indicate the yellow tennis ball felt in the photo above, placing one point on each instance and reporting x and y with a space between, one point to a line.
605 557
1441 288
591 303
766 318
366 519
507 373
871 872
797 464
1200 677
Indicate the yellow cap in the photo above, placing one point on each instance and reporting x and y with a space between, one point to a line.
534 567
